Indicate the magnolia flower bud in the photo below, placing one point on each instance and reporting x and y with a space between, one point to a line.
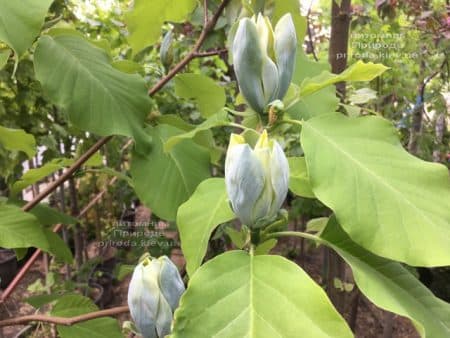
263 59
256 179
153 295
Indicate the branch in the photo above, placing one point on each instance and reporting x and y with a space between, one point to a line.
67 174
62 320
192 54
211 53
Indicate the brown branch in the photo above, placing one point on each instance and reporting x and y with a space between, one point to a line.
62 320
67 174
211 53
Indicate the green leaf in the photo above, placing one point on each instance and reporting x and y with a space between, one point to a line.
387 200
155 12
34 175
359 71
21 21
323 101
17 139
40 300
4 56
298 180
238 295
197 222
216 120
293 7
21 229
79 77
58 247
47 215
317 224
362 95
239 238
74 305
265 247
163 181
210 97
127 66
391 286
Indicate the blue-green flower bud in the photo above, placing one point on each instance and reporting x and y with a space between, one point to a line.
256 179
153 295
263 59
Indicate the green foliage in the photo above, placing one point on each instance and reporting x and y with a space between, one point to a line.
74 305
358 168
359 71
196 224
143 34
391 286
210 97
17 139
21 21
216 120
299 179
255 296
79 78
164 181
20 229
322 101
34 175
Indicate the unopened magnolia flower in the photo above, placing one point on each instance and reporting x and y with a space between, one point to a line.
256 179
153 295
264 59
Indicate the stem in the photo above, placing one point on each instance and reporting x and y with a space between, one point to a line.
62 320
296 122
294 234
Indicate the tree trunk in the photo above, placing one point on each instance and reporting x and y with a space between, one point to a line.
77 235
340 25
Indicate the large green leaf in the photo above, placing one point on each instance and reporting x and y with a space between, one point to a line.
74 305
298 177
359 71
21 229
17 139
21 21
196 223
391 286
163 181
78 77
210 97
144 21
239 295
387 200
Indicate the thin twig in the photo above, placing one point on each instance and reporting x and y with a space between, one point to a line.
62 320
211 53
